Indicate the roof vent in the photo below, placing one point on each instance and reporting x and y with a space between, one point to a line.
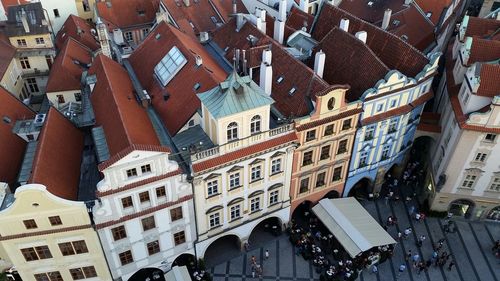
157 36
370 4
362 36
204 37
199 60
39 119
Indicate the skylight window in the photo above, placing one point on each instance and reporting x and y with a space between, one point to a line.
280 79
292 91
171 63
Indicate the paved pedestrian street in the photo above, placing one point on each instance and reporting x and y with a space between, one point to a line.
469 246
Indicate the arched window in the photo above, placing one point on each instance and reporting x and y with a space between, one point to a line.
232 131
255 124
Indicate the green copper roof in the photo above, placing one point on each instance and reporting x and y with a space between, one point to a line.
236 94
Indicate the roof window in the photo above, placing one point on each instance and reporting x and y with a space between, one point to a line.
292 91
196 86
169 65
280 79
396 22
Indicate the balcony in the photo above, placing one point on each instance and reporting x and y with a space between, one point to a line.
242 143
31 73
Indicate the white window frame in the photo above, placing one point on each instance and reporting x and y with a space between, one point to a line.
255 204
212 188
275 166
235 212
254 172
494 184
234 180
232 131
214 220
274 197
469 181
255 124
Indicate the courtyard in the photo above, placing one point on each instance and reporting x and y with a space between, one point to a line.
469 247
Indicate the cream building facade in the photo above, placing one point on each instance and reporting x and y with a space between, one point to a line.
50 238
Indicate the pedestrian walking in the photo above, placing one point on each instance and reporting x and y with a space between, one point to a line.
402 268
253 260
452 263
400 235
407 232
374 269
266 254
408 256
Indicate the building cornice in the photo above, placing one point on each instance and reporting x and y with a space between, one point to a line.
45 232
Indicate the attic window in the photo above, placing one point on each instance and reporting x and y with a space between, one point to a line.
280 79
292 91
395 22
7 120
214 19
196 86
169 65
141 13
404 37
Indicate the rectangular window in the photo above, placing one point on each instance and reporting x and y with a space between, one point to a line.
255 204
39 41
480 157
320 179
169 65
56 13
89 271
304 185
126 257
128 36
78 96
30 224
393 125
160 192
214 220
153 247
60 99
176 213
131 173
127 202
325 152
144 197
342 147
48 59
234 180
337 174
235 212
21 43
274 197
310 135
43 252
49 276
385 152
179 238
495 184
469 181
363 158
66 249
346 124
490 137
119 232
256 173
25 62
145 32
29 254
369 133
307 158
148 223
32 85
329 130
146 168
276 166
212 188
80 247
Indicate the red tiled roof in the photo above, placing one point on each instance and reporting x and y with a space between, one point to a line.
7 53
483 50
225 7
390 49
244 153
481 27
65 74
372 14
489 85
58 166
435 7
124 121
295 73
133 147
182 102
127 13
7 3
297 18
412 24
346 58
12 147
78 29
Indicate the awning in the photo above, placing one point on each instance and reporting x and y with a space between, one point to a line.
178 273
351 224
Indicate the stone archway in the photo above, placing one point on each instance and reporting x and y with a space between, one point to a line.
265 231
229 244
461 208
332 194
148 274
494 214
188 260
361 189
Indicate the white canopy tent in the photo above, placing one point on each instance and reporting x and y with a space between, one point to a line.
351 225
178 273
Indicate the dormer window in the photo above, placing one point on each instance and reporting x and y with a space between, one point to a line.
255 124
232 131
171 63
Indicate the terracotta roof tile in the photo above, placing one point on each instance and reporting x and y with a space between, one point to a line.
243 153
372 13
133 147
483 50
12 147
65 73
7 3
78 29
481 27
295 74
435 7
124 121
127 13
225 7
58 166
390 49
297 18
177 102
489 85
7 53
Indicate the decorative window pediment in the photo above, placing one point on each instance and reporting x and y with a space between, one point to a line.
214 209
212 176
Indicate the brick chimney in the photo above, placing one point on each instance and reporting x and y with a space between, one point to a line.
266 72
387 19
344 25
319 63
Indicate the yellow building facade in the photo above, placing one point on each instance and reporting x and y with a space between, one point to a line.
49 238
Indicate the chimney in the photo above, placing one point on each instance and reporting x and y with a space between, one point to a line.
260 14
260 25
266 72
204 37
304 6
387 19
319 63
244 59
344 25
187 3
408 2
24 20
279 31
361 35
237 60
235 7
282 11
198 60
239 22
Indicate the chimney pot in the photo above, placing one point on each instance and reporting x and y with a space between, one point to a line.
387 19
267 57
319 63
279 31
362 36
187 3
344 25
282 10
199 60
